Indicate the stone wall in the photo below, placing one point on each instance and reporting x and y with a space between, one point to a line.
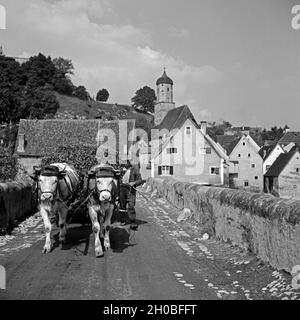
16 202
266 225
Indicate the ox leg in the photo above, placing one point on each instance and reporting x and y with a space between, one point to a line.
62 214
96 229
107 225
48 227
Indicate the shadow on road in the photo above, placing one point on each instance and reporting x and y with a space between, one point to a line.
121 237
75 236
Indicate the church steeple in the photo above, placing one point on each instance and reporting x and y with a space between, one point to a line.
164 91
164 88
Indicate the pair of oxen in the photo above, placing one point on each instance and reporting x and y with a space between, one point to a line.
59 184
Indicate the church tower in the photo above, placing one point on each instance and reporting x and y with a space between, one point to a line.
164 102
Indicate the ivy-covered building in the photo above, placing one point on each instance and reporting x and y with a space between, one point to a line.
104 141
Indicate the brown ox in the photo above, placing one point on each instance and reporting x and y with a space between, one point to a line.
103 186
56 185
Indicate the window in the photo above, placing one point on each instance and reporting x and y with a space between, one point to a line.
244 143
256 177
208 150
171 150
246 183
165 170
239 155
253 165
249 155
188 130
297 170
105 153
214 171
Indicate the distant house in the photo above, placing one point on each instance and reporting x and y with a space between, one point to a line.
41 138
269 154
246 164
283 178
243 130
181 149
289 137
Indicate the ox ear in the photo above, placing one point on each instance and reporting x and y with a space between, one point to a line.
61 175
36 172
91 173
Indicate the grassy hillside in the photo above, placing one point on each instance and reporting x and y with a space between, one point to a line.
72 107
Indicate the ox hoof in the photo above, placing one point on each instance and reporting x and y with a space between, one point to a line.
107 246
46 249
99 253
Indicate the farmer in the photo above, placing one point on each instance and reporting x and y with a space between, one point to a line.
131 179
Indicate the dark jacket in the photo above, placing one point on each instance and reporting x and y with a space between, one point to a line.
134 176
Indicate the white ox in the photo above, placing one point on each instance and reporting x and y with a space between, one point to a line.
56 184
103 186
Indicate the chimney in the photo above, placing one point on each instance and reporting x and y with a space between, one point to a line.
21 143
203 127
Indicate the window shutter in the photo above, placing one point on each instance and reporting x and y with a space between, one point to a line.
159 170
171 170
217 171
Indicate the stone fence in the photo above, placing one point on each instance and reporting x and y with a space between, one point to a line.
267 226
16 202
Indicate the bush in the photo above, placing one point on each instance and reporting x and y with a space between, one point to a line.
8 166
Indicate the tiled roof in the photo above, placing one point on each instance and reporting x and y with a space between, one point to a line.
259 142
175 118
44 137
280 164
291 136
226 141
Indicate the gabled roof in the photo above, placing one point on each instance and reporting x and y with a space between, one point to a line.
232 145
291 136
279 164
175 118
226 141
44 137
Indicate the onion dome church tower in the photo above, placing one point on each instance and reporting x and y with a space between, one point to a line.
164 102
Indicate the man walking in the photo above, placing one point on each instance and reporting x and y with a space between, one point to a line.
131 179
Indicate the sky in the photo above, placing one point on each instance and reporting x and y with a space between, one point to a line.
233 60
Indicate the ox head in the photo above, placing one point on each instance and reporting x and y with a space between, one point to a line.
47 182
105 183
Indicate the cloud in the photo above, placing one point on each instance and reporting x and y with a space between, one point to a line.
121 58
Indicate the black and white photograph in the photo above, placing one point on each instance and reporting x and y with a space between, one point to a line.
149 153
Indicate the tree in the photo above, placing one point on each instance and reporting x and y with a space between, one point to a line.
63 66
81 93
218 129
62 84
144 99
102 95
